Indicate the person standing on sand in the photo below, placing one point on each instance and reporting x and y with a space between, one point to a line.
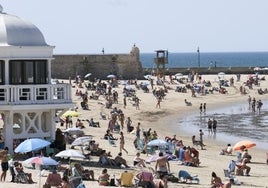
214 125
209 126
249 102
162 165
4 163
122 142
201 133
138 135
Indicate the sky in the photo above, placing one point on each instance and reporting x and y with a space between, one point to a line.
88 26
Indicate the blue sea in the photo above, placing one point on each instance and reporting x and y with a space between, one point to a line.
220 59
235 123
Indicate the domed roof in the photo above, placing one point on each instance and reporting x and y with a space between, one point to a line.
16 32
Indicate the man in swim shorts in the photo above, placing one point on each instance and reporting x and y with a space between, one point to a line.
162 164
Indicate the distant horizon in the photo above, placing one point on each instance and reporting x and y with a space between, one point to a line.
159 49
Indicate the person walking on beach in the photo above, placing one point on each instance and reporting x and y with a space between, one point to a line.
201 108
158 102
214 125
204 107
137 103
249 102
125 101
209 126
201 134
122 142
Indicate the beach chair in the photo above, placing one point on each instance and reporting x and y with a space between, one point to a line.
76 182
230 175
267 158
20 177
111 142
185 177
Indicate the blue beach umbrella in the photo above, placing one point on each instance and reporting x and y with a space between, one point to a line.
157 142
32 144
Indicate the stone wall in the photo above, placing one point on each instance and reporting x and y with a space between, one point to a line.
124 66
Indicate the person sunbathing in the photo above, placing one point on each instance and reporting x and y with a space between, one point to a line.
54 179
105 160
92 123
86 174
109 135
104 178
228 150
243 166
215 181
139 161
19 168
146 179
119 160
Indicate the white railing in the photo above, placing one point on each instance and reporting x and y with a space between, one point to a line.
35 94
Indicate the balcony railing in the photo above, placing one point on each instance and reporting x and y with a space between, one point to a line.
35 94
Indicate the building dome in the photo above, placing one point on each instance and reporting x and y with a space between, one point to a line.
16 32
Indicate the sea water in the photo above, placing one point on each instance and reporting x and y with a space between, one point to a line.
235 123
219 59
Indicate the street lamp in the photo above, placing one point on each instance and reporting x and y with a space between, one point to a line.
198 56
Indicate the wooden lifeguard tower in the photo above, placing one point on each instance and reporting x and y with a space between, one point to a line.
160 61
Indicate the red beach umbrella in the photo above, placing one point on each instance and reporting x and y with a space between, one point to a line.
245 143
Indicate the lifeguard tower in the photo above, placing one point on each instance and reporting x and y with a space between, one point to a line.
160 61
28 100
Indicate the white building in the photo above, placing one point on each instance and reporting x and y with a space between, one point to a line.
28 100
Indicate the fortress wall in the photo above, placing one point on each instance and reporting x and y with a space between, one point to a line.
125 66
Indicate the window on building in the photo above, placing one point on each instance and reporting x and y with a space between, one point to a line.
2 72
28 72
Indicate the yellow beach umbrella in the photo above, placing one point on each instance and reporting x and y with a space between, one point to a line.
71 113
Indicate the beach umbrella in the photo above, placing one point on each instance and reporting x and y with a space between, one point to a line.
257 69
32 144
157 142
154 157
47 161
74 131
16 126
80 141
221 73
70 153
87 75
71 113
111 76
148 76
178 75
246 143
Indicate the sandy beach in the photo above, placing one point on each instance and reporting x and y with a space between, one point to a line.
163 121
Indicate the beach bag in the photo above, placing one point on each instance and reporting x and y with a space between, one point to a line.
112 182
46 186
172 178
